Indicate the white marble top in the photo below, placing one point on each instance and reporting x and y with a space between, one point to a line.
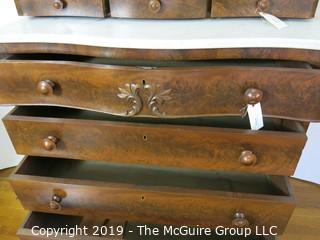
155 34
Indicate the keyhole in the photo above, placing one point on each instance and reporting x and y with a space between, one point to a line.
145 138
142 198
143 82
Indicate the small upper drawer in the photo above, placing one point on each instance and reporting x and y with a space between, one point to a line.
153 195
159 8
251 8
84 8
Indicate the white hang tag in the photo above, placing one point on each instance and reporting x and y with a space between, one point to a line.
255 116
273 20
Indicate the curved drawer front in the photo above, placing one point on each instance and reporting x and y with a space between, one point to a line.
251 8
159 8
208 148
153 195
164 92
85 8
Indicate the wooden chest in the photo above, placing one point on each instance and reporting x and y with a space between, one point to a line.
160 142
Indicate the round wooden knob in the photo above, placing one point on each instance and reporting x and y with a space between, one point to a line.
155 6
46 87
49 143
263 5
55 203
58 4
240 220
253 96
248 158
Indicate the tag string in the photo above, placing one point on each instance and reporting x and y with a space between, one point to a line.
244 111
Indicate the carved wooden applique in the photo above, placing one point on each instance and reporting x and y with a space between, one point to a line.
157 98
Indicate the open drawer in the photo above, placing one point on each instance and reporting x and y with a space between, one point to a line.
105 227
171 89
153 195
224 143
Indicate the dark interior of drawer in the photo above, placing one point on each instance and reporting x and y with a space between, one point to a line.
140 175
156 63
271 124
44 220
131 232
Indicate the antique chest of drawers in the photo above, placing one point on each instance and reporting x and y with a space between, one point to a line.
167 9
161 142
116 136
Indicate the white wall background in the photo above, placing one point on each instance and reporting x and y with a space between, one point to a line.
308 167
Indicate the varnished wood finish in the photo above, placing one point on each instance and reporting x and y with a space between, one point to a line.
305 216
276 150
311 56
85 8
251 8
130 229
153 195
190 91
159 8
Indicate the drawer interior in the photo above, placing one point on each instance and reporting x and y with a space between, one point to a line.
154 177
236 122
158 64
131 232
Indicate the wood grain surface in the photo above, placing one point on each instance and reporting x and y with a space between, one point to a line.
165 91
251 8
277 149
304 223
291 54
84 8
164 9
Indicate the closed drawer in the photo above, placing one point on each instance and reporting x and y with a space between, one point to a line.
108 228
159 8
220 143
153 195
251 8
175 90
85 8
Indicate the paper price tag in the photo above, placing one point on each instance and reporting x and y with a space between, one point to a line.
273 20
255 116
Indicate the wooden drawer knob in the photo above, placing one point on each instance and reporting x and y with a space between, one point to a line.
240 220
263 5
253 96
46 87
155 6
58 4
49 143
55 203
248 158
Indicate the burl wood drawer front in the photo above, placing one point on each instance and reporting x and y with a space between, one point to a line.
153 195
85 8
90 136
159 8
251 8
166 92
